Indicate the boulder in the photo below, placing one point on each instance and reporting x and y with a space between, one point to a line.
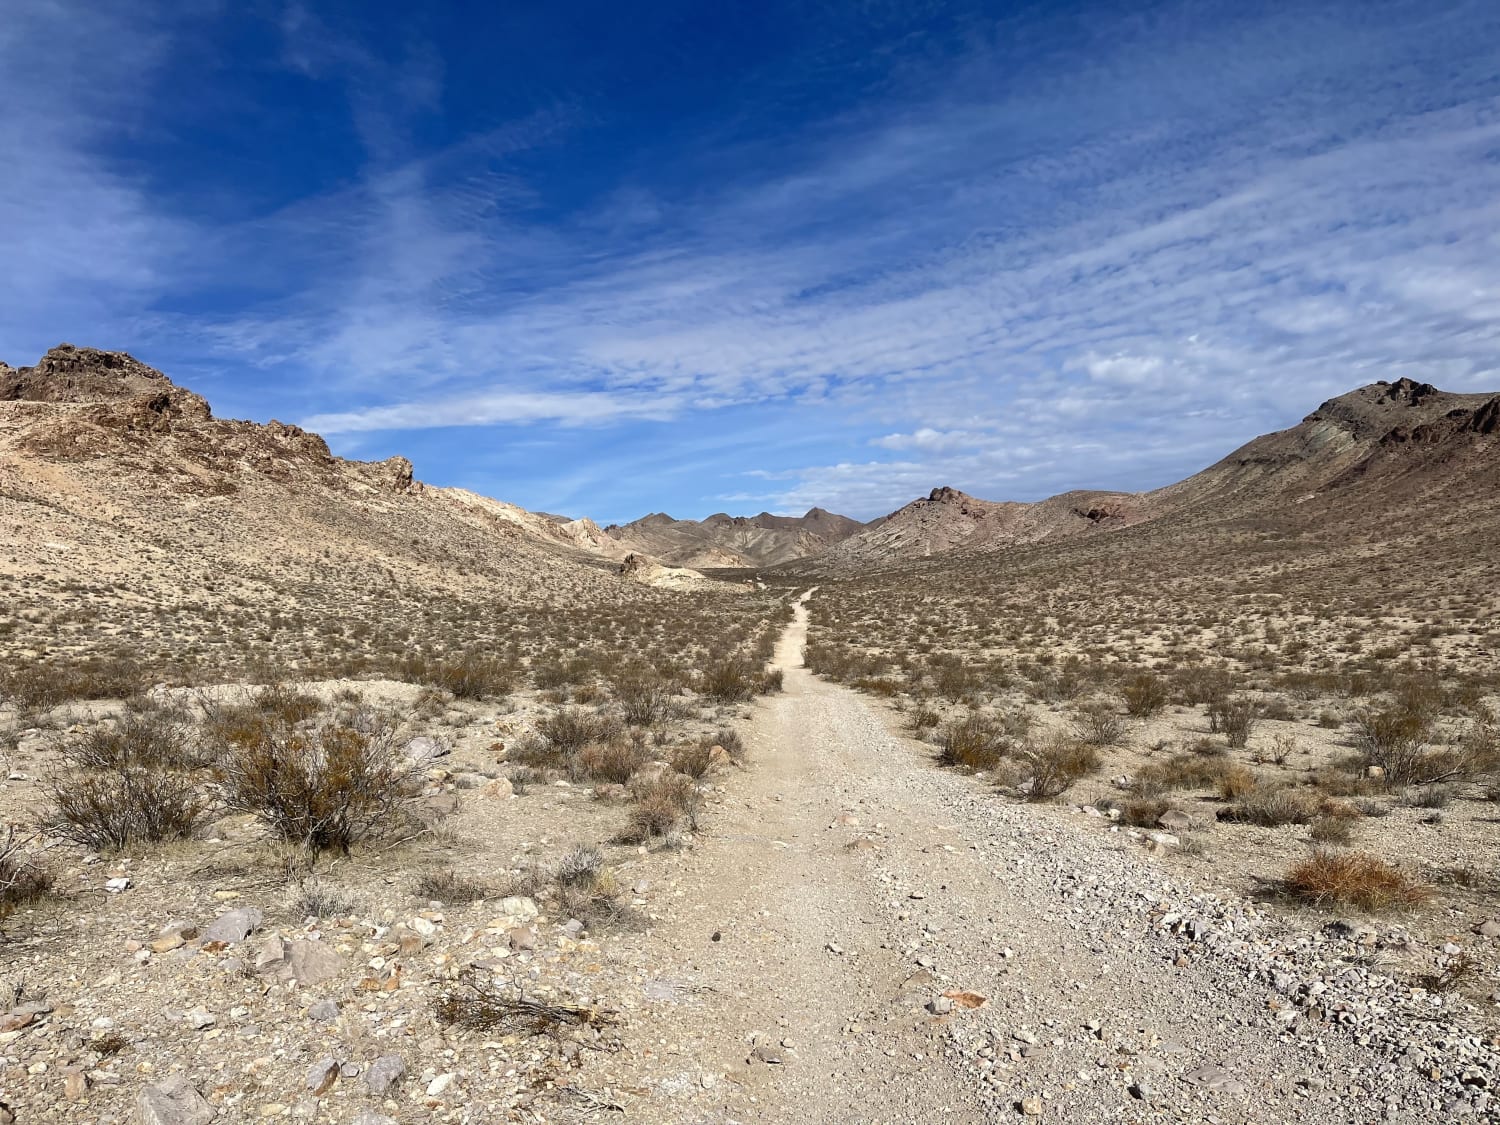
232 926
172 1102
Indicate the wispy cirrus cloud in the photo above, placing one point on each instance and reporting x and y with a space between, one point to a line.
1045 261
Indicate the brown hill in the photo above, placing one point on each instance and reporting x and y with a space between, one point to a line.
1405 436
734 541
132 518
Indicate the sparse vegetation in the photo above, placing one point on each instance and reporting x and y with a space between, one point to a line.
1353 879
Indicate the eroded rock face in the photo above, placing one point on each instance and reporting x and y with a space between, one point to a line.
73 374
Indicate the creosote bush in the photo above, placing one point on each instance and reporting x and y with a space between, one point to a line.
1055 765
123 784
1271 808
326 788
22 878
1099 724
615 761
1235 717
1353 879
1145 694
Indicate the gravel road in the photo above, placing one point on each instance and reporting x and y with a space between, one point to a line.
847 884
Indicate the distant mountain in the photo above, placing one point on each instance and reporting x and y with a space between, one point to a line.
734 541
1376 446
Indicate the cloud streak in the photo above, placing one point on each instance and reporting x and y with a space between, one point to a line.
1037 266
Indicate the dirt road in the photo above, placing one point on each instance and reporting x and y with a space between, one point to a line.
847 884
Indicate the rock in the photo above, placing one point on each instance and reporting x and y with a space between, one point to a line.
1215 1078
75 1084
1174 820
1164 839
233 925
1032 1106
384 1073
370 1117
172 1102
472 781
519 907
322 1075
1489 929
272 952
439 1085
498 789
523 938
768 1055
200 1019
324 1011
1374 771
965 998
1350 930
940 1005
306 963
424 748
117 885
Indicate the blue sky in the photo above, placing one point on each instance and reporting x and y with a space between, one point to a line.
603 259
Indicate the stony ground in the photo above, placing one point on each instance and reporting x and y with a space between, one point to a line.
853 936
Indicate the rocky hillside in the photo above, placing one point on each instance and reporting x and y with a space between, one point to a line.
131 516
734 541
1396 440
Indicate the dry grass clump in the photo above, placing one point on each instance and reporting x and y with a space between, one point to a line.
696 759
1332 830
731 680
479 1002
662 804
318 898
324 788
1237 782
470 675
1353 879
449 886
586 888
1271 808
1143 812
569 729
22 878
615 761
1055 765
976 741
1181 771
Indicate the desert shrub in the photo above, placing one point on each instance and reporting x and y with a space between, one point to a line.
570 729
1099 724
732 680
646 699
325 788
695 759
733 744
1143 812
1234 717
1428 797
615 761
976 741
770 681
1237 781
661 805
1271 808
1180 771
1056 765
147 738
113 809
22 878
121 784
1145 694
922 718
43 685
472 675
1201 684
1332 830
318 898
579 867
1353 879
